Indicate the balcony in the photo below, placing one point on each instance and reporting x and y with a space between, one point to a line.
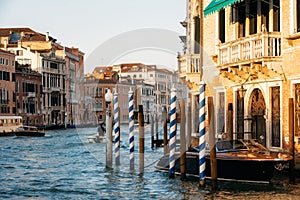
190 67
4 102
261 47
53 57
55 89
56 108
30 94
97 109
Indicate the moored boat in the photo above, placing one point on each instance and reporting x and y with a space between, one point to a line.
29 131
238 160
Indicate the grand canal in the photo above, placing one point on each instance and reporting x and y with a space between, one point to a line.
65 165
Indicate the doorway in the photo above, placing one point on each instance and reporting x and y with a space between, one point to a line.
258 110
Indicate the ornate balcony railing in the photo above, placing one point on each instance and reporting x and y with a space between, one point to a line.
189 63
254 47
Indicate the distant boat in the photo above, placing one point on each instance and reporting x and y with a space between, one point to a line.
100 137
8 125
236 160
29 131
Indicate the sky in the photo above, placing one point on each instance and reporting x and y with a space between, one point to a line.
93 25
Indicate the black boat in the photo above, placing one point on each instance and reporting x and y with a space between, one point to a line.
236 161
29 131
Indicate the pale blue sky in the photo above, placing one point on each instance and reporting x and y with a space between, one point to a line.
89 23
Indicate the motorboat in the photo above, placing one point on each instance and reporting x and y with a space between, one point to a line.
29 131
100 137
242 160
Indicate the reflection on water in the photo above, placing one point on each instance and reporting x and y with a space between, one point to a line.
64 165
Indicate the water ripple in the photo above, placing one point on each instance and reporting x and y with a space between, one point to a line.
64 165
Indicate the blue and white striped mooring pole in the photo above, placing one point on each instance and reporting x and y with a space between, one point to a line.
172 133
116 128
202 134
131 128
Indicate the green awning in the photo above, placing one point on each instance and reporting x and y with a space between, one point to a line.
216 5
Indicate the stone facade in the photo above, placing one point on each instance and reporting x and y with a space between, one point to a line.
249 60
74 86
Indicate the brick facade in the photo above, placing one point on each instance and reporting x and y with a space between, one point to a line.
7 83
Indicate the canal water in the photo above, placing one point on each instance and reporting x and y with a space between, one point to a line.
65 165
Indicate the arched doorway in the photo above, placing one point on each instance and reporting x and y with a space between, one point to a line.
258 110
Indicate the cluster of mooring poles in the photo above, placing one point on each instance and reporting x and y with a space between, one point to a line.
109 97
171 148
202 141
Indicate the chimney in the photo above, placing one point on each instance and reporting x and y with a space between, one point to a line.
47 36
5 44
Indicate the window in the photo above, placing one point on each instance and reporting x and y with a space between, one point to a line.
6 62
265 14
276 8
222 25
253 17
19 53
276 116
221 112
241 19
53 65
298 14
197 35
53 54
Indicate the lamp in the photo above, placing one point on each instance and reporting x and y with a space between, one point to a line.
242 92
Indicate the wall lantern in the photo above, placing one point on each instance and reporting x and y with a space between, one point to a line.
242 92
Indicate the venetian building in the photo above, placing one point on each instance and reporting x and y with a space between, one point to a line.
96 85
28 95
161 79
74 86
249 63
7 83
43 54
196 64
